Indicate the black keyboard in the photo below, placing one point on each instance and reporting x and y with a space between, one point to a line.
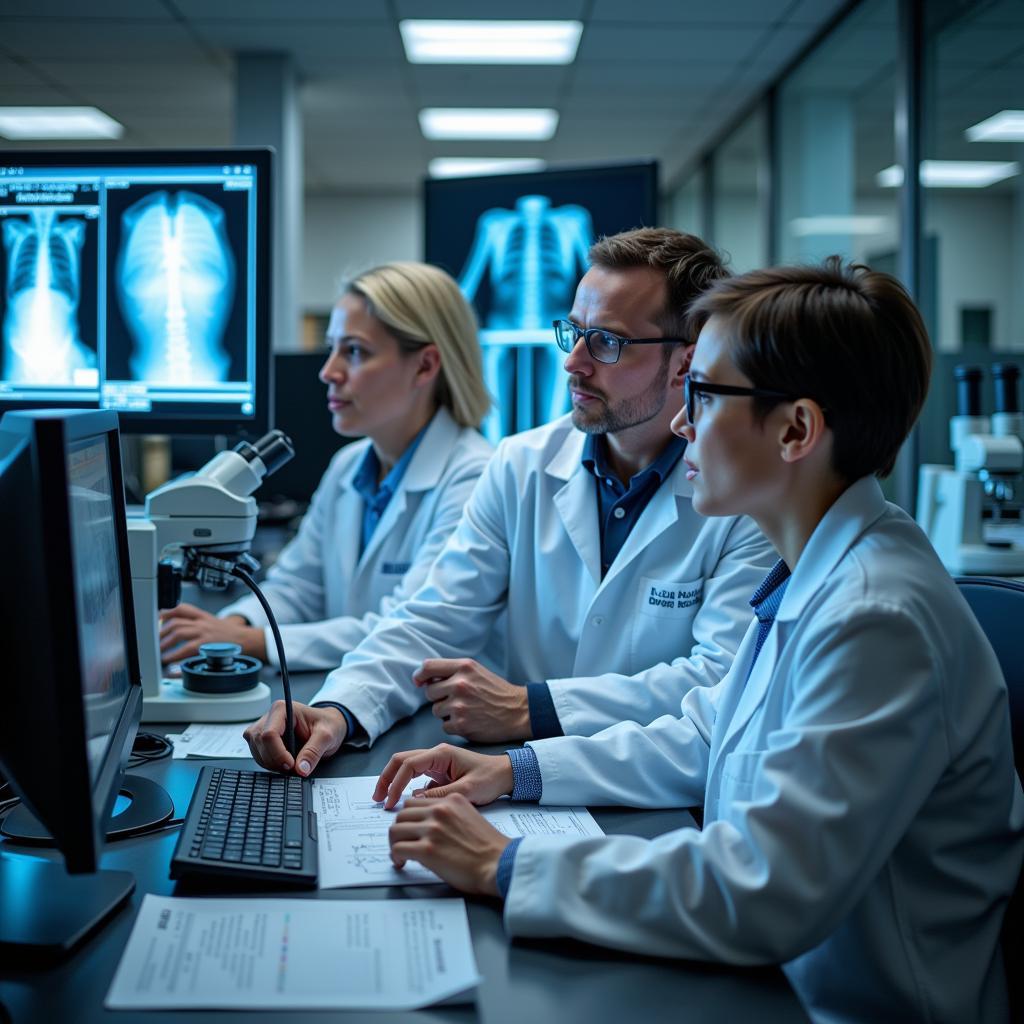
249 825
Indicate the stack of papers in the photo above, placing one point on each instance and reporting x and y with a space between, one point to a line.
291 954
352 832
211 741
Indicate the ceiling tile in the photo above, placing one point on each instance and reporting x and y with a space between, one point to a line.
276 10
667 12
634 43
74 39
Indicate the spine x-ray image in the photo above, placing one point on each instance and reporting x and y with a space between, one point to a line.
42 344
175 286
532 258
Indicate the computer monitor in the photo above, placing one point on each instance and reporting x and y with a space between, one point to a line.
517 244
72 693
138 281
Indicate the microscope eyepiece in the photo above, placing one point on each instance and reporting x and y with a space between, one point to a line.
968 390
273 450
1006 377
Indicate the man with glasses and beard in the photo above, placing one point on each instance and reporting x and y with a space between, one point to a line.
580 542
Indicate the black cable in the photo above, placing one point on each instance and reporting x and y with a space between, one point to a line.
289 720
148 746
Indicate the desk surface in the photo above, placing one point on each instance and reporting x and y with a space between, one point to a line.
523 982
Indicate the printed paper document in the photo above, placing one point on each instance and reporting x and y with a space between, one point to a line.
211 741
352 832
276 954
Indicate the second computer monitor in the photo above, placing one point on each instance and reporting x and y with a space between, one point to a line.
138 282
72 692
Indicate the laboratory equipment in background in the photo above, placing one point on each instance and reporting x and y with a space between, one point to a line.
138 281
198 528
971 511
517 244
72 694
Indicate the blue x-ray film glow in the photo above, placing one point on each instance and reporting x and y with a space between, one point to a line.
41 338
176 285
532 257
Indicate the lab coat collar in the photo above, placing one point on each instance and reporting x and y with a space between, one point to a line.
423 473
857 508
577 505
431 457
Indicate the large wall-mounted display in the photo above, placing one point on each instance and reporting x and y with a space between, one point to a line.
517 244
138 282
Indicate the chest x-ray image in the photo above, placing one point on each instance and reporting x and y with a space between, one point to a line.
175 285
530 258
42 336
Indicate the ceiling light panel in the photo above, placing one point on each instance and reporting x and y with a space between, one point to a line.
57 123
488 123
1006 126
490 42
952 173
472 166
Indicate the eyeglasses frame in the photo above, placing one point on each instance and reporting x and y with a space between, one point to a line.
586 332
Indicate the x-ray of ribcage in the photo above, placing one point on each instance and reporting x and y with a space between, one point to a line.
175 285
41 337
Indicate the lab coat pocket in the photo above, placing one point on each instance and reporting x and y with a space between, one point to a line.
740 774
663 622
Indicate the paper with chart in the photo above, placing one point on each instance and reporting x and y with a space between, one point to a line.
291 954
211 741
352 831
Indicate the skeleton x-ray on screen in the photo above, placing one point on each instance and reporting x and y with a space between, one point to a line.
41 331
531 258
175 282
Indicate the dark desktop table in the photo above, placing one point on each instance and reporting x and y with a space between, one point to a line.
523 982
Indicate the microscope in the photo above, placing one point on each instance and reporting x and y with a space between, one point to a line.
198 528
971 510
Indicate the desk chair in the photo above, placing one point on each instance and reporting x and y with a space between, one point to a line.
998 605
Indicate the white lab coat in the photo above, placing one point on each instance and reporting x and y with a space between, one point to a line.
325 596
863 821
668 615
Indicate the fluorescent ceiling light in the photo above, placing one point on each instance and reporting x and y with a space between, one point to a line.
952 173
839 225
484 123
490 42
57 123
470 166
1006 126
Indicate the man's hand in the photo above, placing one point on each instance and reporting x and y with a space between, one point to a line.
185 627
318 731
480 778
473 702
452 839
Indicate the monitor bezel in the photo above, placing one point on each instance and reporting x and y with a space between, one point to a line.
186 424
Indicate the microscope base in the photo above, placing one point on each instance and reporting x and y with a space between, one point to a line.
176 704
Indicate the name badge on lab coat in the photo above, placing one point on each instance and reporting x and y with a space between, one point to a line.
667 599
395 568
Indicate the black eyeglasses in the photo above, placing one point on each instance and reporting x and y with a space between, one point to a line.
603 346
692 388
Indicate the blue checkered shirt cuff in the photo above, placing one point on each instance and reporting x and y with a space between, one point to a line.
527 785
505 866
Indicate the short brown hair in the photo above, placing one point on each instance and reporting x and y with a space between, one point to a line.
847 336
689 264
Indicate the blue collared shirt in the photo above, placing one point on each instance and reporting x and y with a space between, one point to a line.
619 507
376 496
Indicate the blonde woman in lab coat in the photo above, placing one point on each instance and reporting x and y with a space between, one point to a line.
404 373
862 817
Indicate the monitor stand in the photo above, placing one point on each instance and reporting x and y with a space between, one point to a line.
48 912
150 805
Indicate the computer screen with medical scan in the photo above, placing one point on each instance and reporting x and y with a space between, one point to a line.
137 282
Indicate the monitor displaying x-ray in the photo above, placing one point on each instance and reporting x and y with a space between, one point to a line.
138 282
517 244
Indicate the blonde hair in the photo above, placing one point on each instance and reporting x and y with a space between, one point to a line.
422 305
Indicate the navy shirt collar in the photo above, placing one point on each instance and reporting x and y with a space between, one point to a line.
365 480
595 460
768 596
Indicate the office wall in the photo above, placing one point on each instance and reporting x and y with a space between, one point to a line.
348 233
